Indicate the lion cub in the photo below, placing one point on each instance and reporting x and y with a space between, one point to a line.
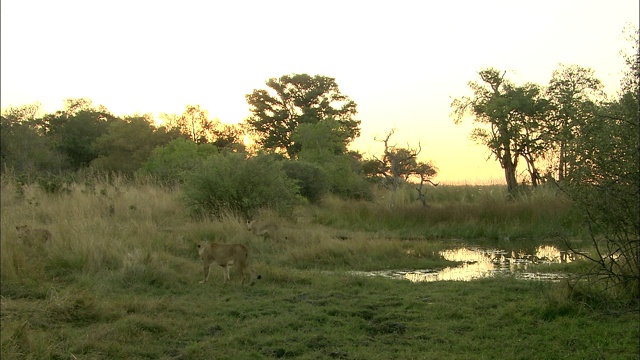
32 236
264 229
225 255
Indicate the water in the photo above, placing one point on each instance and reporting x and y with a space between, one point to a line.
478 263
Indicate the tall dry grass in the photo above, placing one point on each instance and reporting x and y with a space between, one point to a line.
96 226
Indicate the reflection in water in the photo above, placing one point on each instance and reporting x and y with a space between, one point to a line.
481 263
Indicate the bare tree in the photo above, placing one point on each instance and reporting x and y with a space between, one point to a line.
398 165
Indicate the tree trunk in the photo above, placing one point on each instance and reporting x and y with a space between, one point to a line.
561 163
510 176
509 167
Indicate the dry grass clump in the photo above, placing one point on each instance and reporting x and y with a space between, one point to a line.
92 230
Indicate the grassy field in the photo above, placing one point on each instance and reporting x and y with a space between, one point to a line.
120 280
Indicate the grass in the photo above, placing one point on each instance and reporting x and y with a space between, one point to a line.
467 212
121 279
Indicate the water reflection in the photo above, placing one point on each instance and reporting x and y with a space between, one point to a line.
477 263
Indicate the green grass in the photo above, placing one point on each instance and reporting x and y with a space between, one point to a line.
123 283
466 212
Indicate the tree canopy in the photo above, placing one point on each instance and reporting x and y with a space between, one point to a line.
293 100
510 119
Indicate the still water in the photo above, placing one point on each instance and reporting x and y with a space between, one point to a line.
478 263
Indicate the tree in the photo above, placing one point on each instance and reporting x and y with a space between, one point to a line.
229 137
193 122
573 93
605 185
128 144
510 121
75 130
319 142
311 178
175 161
24 148
324 145
298 99
398 165
28 112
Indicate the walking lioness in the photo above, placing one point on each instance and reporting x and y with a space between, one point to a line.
264 229
33 236
225 255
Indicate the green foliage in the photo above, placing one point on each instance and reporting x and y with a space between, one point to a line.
76 130
170 164
459 212
128 144
25 150
324 144
605 184
299 99
311 178
511 121
319 141
573 93
242 186
346 178
607 194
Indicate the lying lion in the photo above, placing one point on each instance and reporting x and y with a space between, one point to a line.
32 236
225 255
267 230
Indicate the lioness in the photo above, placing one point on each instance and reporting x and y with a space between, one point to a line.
33 236
264 229
225 255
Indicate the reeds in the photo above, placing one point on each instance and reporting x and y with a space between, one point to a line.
467 212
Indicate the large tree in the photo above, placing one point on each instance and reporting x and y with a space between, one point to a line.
129 142
605 185
75 130
24 148
510 121
298 99
573 93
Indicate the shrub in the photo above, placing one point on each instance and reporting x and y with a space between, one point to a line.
346 180
171 163
242 186
311 179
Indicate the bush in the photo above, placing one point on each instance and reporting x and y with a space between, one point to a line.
311 179
346 180
243 186
171 163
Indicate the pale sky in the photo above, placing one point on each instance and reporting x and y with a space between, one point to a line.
402 62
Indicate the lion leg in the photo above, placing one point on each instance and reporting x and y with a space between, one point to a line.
252 274
225 272
206 273
243 274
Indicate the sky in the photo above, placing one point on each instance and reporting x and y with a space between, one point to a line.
402 62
